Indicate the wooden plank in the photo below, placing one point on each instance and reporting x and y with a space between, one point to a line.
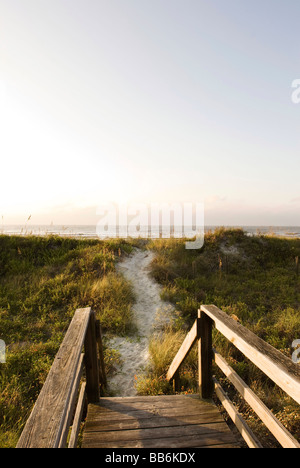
205 356
241 425
163 432
208 439
91 362
99 425
72 403
272 362
124 407
160 399
154 411
221 446
184 350
118 411
78 417
176 382
152 398
272 423
45 424
168 443
103 379
155 422
112 414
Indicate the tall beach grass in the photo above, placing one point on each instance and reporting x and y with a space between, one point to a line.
253 279
43 280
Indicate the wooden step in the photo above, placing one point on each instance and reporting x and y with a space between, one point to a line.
168 421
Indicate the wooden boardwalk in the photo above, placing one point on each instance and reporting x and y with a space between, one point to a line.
170 421
174 421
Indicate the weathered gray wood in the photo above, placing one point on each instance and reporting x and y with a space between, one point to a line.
272 362
184 350
151 399
176 381
160 432
220 446
168 437
143 404
103 380
46 422
108 424
239 422
109 410
78 417
205 356
272 423
210 440
164 421
91 362
72 403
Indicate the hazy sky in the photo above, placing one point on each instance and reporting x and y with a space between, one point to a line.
149 100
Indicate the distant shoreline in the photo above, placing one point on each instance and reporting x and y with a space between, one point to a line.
89 231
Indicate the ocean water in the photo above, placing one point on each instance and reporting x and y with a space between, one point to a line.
90 231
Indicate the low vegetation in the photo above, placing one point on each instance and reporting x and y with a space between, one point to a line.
42 282
44 279
256 281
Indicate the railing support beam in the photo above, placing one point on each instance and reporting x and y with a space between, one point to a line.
91 362
205 355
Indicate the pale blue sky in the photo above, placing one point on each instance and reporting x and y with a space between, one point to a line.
149 101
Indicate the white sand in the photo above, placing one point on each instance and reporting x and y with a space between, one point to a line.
149 310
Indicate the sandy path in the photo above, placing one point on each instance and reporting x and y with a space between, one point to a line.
148 310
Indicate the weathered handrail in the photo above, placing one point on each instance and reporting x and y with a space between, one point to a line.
50 420
272 362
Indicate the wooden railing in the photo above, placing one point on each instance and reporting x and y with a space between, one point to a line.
272 362
76 377
61 402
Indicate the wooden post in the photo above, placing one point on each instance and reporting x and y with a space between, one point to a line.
176 382
205 354
91 362
102 372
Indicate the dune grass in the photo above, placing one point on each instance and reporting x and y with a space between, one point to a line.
42 282
256 281
44 279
